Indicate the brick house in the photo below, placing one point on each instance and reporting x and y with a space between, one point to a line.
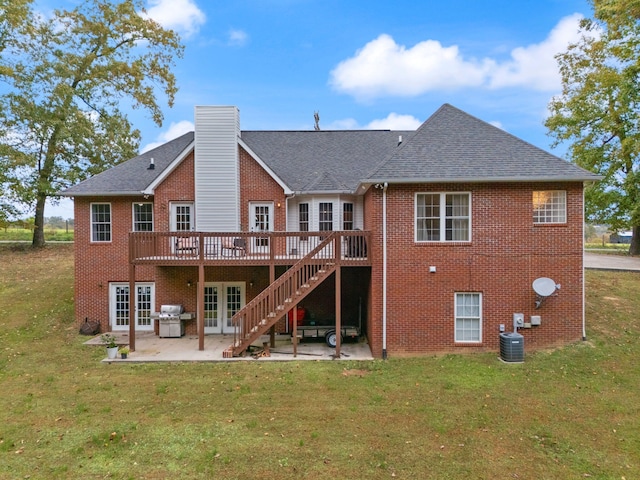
428 240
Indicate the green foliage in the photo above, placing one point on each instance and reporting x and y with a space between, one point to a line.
68 77
598 111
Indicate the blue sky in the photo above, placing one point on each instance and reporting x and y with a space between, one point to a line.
362 64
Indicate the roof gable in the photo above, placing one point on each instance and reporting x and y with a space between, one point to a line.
453 146
134 176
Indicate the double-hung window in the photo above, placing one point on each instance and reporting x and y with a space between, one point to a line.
468 321
142 217
549 206
100 222
443 217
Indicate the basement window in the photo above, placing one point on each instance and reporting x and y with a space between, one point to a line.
468 321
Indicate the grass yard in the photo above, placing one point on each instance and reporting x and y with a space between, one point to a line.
13 234
571 413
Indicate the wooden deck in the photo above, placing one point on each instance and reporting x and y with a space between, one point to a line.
241 248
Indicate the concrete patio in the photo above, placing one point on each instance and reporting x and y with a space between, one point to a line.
152 348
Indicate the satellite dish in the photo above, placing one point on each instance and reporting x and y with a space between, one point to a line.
544 286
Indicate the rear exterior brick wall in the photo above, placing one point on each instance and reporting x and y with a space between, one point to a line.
506 253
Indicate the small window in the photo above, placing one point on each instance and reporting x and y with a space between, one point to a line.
347 216
550 206
325 218
142 217
303 219
443 217
468 322
100 222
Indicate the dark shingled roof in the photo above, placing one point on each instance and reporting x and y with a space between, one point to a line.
133 176
453 146
325 160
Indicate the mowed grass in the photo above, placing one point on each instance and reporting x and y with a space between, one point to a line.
567 413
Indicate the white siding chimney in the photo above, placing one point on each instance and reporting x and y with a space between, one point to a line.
217 194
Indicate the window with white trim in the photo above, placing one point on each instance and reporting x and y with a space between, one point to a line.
443 217
303 219
347 216
100 222
143 217
550 206
325 216
468 321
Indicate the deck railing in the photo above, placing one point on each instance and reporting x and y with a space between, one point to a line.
249 247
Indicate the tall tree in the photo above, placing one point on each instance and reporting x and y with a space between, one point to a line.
68 78
598 112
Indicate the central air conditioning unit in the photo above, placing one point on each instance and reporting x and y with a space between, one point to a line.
511 347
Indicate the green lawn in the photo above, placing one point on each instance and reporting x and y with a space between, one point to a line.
570 413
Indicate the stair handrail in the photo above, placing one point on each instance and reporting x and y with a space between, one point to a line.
294 271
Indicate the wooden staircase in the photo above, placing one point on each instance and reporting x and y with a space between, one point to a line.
275 302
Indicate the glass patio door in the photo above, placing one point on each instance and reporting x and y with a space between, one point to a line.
119 306
221 302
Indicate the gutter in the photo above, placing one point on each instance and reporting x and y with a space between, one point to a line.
530 179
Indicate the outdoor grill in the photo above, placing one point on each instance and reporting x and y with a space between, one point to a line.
170 322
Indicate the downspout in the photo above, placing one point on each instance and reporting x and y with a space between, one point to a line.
384 271
584 322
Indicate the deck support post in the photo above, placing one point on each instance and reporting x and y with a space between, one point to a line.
132 307
338 243
272 278
294 330
200 295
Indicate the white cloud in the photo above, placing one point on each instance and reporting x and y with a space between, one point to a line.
535 66
174 131
238 38
393 121
183 16
384 68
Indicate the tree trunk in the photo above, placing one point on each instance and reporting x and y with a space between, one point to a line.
38 227
634 248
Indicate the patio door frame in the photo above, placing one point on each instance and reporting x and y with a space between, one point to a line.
119 306
221 323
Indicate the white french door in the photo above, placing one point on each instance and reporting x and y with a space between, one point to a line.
182 217
119 306
221 302
261 215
